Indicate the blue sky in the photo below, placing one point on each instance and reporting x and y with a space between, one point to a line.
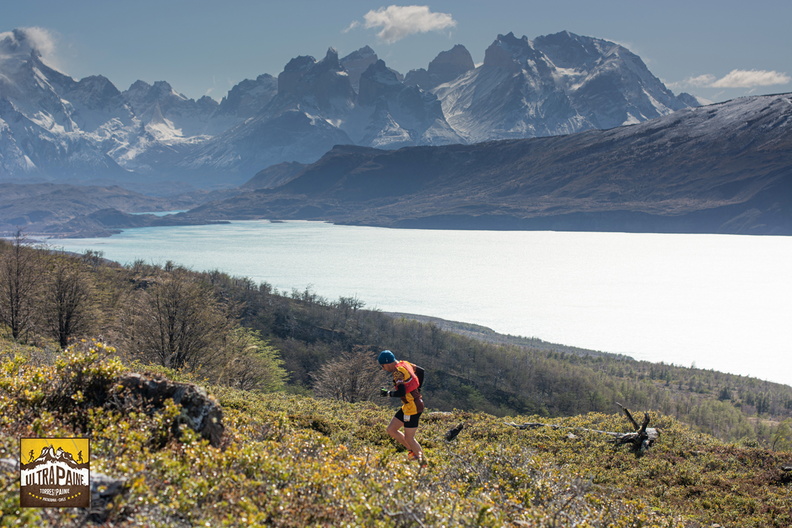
713 49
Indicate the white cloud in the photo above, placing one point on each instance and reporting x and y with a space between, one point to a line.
701 80
397 22
20 42
751 79
734 79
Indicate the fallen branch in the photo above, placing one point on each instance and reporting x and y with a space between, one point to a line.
640 440
452 433
532 425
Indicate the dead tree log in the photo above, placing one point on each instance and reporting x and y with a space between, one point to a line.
643 437
640 440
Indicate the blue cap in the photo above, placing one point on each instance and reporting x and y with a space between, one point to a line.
386 356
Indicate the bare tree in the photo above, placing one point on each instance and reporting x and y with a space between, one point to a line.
66 303
176 321
353 376
19 279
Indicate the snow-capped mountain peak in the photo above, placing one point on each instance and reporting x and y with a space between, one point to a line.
54 127
555 84
18 45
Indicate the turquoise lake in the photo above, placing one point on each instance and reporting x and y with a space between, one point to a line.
719 302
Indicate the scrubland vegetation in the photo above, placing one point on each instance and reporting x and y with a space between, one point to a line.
305 442
289 460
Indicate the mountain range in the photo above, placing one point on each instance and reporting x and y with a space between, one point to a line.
722 168
149 137
563 132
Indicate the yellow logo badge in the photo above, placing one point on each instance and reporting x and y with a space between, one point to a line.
55 472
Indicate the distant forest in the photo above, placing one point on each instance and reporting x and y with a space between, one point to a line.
232 331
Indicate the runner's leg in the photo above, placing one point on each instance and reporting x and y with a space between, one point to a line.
411 443
393 431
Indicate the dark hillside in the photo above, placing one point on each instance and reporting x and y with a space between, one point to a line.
56 209
274 176
724 168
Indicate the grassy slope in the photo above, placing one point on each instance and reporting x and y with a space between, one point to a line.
296 461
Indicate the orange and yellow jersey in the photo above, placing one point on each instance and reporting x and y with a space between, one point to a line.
406 383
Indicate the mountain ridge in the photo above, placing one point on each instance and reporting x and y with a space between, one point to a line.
53 127
725 168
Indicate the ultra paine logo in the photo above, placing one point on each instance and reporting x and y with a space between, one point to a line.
55 472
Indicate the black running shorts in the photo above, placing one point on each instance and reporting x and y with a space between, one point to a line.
410 421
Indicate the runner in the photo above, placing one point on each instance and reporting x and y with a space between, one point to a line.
408 416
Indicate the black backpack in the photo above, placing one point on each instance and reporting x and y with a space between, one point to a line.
419 373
